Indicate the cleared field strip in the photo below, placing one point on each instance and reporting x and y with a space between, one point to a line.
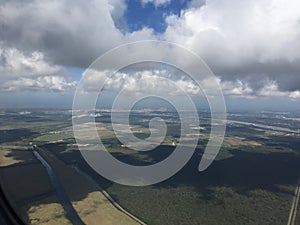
294 208
66 203
113 202
33 195
91 205
15 157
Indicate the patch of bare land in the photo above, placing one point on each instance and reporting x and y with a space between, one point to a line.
13 147
47 212
237 141
91 205
28 188
96 209
11 157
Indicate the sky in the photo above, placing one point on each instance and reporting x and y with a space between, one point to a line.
251 46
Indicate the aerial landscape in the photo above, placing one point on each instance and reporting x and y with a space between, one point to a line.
149 112
257 168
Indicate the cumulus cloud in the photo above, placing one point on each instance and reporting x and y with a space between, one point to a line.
236 88
157 3
269 88
162 82
243 40
140 82
15 63
68 32
38 39
41 83
31 72
295 95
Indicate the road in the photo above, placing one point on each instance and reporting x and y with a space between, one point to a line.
64 199
294 208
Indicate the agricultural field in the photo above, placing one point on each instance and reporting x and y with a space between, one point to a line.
91 205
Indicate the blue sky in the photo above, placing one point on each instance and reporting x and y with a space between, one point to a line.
140 15
77 72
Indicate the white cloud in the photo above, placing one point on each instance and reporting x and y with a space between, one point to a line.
237 88
155 81
258 30
271 90
157 3
15 63
31 72
295 95
162 82
68 32
242 39
41 83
